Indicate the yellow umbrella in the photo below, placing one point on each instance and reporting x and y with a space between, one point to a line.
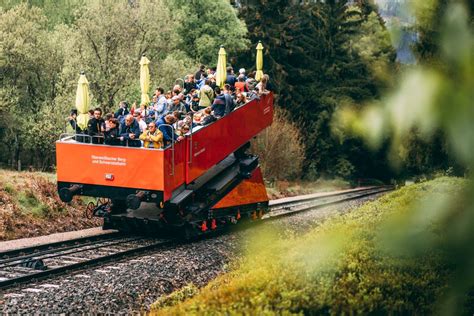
144 79
82 101
221 72
259 74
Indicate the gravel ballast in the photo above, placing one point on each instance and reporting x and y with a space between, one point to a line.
131 285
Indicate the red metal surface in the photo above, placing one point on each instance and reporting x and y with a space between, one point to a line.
159 169
218 140
249 191
171 179
112 166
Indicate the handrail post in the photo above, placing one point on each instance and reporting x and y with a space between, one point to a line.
172 147
191 140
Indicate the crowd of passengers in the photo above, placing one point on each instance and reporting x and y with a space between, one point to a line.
171 115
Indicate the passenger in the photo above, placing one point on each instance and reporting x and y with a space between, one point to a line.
72 119
252 94
199 115
219 106
112 135
206 95
241 99
130 132
160 105
240 84
96 127
178 117
194 102
139 119
177 90
201 82
183 130
268 86
133 108
207 117
165 125
213 81
122 111
108 116
229 100
242 73
262 86
189 84
200 72
230 80
152 137
177 105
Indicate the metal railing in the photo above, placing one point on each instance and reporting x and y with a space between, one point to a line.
172 146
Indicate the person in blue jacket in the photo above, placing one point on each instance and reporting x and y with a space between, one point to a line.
169 133
130 132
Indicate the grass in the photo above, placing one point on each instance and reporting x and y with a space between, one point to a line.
29 203
348 265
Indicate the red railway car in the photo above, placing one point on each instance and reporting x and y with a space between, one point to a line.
200 183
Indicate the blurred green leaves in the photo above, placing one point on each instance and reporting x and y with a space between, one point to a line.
437 95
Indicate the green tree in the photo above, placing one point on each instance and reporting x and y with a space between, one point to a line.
315 65
204 25
29 67
107 41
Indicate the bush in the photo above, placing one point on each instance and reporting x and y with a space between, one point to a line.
280 148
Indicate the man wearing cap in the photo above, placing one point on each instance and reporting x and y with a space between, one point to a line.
177 105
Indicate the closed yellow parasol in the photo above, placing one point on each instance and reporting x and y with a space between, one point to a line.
144 79
259 74
82 101
221 72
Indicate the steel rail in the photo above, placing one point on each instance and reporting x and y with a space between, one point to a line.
77 265
277 209
286 209
60 252
27 250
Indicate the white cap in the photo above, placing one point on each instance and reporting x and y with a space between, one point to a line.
241 70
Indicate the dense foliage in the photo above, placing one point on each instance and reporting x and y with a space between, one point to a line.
321 55
344 266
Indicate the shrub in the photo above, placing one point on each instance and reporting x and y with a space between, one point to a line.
280 148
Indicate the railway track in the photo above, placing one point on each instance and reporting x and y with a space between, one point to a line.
39 262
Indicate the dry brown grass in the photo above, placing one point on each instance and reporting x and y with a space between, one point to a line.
30 206
280 148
